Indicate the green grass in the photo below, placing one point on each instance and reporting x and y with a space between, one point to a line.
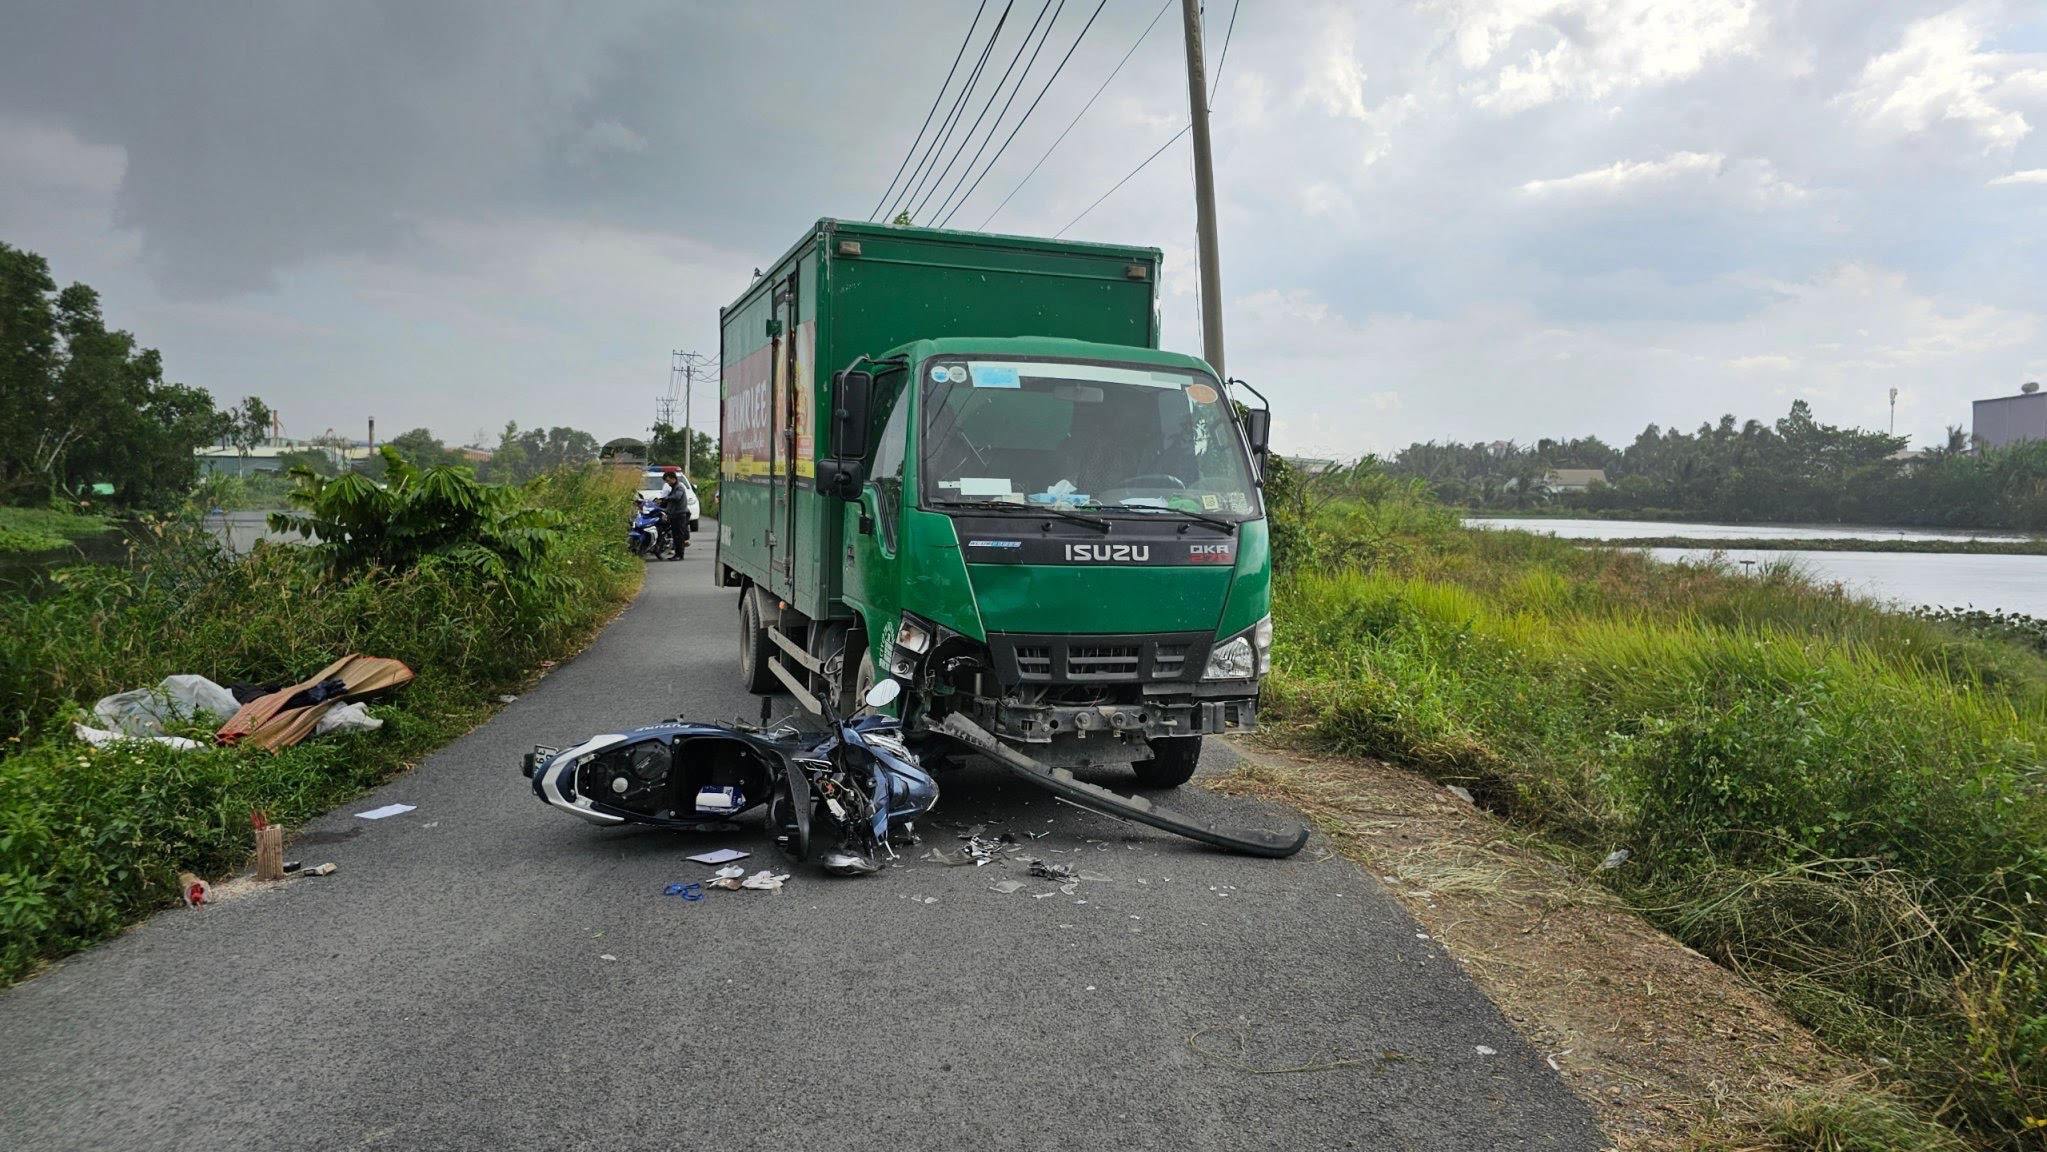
45 529
90 840
1841 803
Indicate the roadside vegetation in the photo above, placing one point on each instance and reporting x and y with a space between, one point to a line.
44 529
1839 803
473 585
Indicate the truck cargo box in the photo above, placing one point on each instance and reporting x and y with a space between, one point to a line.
850 289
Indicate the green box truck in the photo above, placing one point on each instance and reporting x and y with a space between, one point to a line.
961 460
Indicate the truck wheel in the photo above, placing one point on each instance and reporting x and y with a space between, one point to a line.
754 648
1172 762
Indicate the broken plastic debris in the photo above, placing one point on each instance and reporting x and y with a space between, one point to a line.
1006 887
730 872
1047 870
1485 1051
720 856
607 956
1614 859
386 811
194 890
1462 793
764 880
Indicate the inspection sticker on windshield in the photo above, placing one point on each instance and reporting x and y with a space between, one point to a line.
1201 394
996 376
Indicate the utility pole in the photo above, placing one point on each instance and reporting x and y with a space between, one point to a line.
682 377
1204 194
1894 412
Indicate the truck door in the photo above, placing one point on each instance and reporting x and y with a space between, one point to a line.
782 467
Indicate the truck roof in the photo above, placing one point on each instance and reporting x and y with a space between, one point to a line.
1049 346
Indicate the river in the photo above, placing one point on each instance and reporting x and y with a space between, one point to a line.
23 571
1942 579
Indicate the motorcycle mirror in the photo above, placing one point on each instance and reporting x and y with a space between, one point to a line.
883 694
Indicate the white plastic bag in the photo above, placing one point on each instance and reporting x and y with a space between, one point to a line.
352 717
100 738
145 711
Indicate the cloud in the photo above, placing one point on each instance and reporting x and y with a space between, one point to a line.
1754 182
2027 176
1551 50
1937 76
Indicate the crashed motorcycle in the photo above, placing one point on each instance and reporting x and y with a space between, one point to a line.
651 534
841 794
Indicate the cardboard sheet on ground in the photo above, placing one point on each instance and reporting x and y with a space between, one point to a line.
265 722
387 811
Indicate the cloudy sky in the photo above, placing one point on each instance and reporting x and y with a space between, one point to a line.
1468 219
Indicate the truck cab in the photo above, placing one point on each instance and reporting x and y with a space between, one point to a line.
961 460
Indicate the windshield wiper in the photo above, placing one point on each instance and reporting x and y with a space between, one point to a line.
1226 527
1095 522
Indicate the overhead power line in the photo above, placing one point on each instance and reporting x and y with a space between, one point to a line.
942 214
925 169
1027 112
935 101
1077 115
1125 180
985 105
1217 81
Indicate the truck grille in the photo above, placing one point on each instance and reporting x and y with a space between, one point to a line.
1041 659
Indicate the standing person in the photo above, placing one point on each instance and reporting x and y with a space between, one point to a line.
675 505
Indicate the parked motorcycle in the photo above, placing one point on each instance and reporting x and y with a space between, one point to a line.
841 793
651 534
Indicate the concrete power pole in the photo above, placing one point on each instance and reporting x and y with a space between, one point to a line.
1204 194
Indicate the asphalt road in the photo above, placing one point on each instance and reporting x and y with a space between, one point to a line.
487 973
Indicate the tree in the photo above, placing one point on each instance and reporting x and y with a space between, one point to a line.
668 447
520 456
80 403
249 423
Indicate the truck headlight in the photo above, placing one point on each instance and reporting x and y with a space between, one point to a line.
913 635
1230 660
1261 639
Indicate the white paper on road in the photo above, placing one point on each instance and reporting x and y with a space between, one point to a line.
720 856
386 810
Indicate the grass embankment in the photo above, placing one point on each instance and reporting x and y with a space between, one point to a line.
45 529
2034 546
1839 803
91 839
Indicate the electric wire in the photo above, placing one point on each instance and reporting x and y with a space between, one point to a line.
1120 183
985 105
946 205
1027 113
925 169
936 100
1077 115
1216 80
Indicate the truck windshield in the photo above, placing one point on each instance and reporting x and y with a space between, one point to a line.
1079 435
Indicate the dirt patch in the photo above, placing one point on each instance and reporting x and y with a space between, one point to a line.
1671 1050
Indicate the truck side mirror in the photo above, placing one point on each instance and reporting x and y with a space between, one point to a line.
851 392
1258 431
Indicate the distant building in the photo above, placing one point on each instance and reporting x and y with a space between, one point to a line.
1572 479
2003 420
1309 465
470 454
268 456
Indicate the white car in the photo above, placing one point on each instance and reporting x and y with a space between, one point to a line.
653 484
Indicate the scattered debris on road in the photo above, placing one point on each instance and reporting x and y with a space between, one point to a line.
386 811
720 856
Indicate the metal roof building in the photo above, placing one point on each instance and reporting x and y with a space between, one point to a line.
2003 420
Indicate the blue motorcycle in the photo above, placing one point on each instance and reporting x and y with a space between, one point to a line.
841 793
651 534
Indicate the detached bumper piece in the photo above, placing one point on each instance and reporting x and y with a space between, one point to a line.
1062 783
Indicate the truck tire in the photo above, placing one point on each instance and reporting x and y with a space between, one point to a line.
1172 762
754 648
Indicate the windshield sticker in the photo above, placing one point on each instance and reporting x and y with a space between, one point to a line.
986 486
938 374
1239 502
956 374
995 376
1210 501
1201 394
